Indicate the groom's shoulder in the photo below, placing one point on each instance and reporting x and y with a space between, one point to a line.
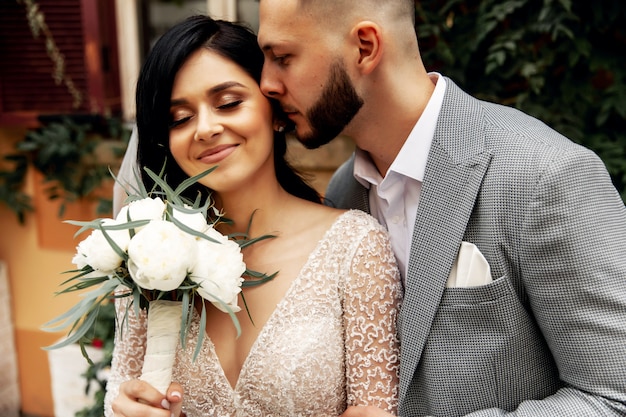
341 183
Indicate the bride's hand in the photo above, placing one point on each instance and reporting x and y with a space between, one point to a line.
175 398
138 398
363 411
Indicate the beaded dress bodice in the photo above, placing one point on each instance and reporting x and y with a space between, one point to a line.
331 341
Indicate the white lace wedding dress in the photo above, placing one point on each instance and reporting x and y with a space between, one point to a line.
330 342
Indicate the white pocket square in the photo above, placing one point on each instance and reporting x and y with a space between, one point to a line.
470 268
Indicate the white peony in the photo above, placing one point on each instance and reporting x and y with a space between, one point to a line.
217 236
195 221
161 255
218 270
96 251
144 209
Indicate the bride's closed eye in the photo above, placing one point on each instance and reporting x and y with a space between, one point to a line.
229 103
178 120
223 103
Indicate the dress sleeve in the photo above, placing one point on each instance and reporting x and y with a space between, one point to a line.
129 350
372 300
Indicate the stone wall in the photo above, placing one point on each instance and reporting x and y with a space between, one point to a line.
9 390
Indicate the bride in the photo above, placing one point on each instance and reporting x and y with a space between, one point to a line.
323 331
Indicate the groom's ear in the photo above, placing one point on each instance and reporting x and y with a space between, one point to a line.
367 36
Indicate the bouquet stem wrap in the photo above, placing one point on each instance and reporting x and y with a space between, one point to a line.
164 322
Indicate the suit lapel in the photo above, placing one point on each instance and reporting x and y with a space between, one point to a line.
360 198
454 172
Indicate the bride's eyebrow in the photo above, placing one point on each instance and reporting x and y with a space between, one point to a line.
224 86
177 102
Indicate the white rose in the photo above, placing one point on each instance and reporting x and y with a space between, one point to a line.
144 209
195 221
218 270
96 251
161 255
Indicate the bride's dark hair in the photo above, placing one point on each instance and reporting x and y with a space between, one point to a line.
154 90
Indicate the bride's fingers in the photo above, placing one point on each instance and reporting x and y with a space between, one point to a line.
138 398
175 397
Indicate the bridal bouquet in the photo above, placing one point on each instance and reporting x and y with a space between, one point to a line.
162 252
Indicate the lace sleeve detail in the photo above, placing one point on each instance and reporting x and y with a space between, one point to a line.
129 350
373 295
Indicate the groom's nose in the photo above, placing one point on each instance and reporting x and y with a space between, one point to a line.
271 85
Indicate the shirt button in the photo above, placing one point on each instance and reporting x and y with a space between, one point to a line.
396 219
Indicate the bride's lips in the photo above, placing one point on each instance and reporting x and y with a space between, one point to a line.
215 155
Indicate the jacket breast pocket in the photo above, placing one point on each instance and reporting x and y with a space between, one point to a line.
484 345
475 296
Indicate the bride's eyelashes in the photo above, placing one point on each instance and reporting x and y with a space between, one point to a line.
175 123
230 105
226 105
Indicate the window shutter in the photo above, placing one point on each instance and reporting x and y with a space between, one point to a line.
84 32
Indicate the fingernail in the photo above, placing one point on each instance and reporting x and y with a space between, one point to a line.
172 415
176 394
165 404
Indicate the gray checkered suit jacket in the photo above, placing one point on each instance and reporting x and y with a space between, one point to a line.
548 336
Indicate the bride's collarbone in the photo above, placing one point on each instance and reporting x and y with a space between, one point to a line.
283 254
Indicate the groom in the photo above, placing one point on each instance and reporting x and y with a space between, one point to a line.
511 239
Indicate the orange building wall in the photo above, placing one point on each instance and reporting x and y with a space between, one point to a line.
34 275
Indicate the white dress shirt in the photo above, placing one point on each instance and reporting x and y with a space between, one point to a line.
394 199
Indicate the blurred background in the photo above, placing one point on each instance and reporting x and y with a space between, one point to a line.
67 75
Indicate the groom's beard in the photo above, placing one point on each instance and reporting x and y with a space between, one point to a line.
336 107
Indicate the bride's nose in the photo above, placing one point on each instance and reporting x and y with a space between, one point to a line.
208 125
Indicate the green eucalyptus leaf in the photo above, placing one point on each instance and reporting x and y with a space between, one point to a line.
160 182
191 231
185 319
78 333
192 180
73 314
200 340
121 253
248 242
259 278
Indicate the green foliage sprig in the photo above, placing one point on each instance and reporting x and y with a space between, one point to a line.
12 183
102 335
67 151
558 60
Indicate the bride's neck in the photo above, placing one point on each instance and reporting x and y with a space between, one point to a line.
267 209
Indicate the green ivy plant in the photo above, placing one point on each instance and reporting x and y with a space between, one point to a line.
11 185
558 60
68 152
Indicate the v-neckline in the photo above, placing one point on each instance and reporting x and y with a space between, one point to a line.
292 288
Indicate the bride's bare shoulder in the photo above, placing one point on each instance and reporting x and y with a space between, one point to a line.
321 212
